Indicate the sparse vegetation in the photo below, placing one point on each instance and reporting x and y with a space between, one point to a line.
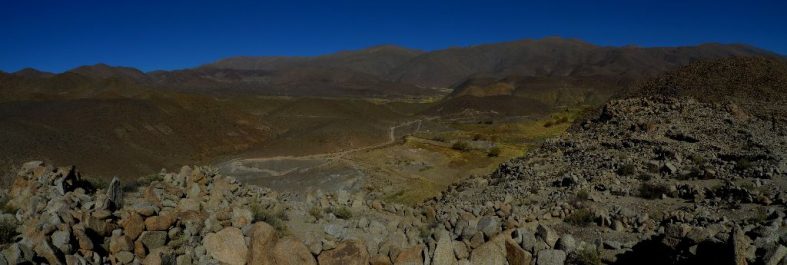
493 152
316 212
583 195
587 256
97 182
743 164
652 191
461 146
274 217
7 230
5 207
627 170
580 217
342 212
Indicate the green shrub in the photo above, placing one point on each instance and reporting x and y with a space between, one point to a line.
645 177
461 146
587 256
7 230
580 217
743 164
342 212
274 217
493 152
439 138
97 182
652 191
583 195
627 170
478 137
5 207
316 212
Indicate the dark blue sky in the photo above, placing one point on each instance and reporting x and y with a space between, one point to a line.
59 35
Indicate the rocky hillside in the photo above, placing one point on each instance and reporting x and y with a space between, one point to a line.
647 181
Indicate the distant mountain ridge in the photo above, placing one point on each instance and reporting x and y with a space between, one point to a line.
393 71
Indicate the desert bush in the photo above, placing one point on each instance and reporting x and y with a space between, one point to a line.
145 180
743 164
316 212
493 152
580 217
583 195
461 146
5 207
652 191
627 170
96 182
341 212
644 177
587 256
274 217
7 230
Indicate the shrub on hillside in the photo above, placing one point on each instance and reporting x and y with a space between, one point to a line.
586 256
493 152
580 217
7 230
341 212
461 146
273 217
652 191
627 170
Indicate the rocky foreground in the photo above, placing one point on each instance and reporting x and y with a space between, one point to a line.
645 181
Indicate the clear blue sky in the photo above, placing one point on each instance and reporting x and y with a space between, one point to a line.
150 35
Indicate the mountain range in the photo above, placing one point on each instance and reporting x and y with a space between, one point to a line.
392 71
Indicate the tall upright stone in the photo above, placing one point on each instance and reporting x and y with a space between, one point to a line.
115 194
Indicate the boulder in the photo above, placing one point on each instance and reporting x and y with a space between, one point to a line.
516 255
227 246
161 222
547 235
263 239
380 260
489 225
349 252
491 252
291 251
444 251
410 256
551 257
153 239
133 225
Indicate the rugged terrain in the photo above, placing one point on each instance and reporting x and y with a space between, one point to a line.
251 107
650 178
